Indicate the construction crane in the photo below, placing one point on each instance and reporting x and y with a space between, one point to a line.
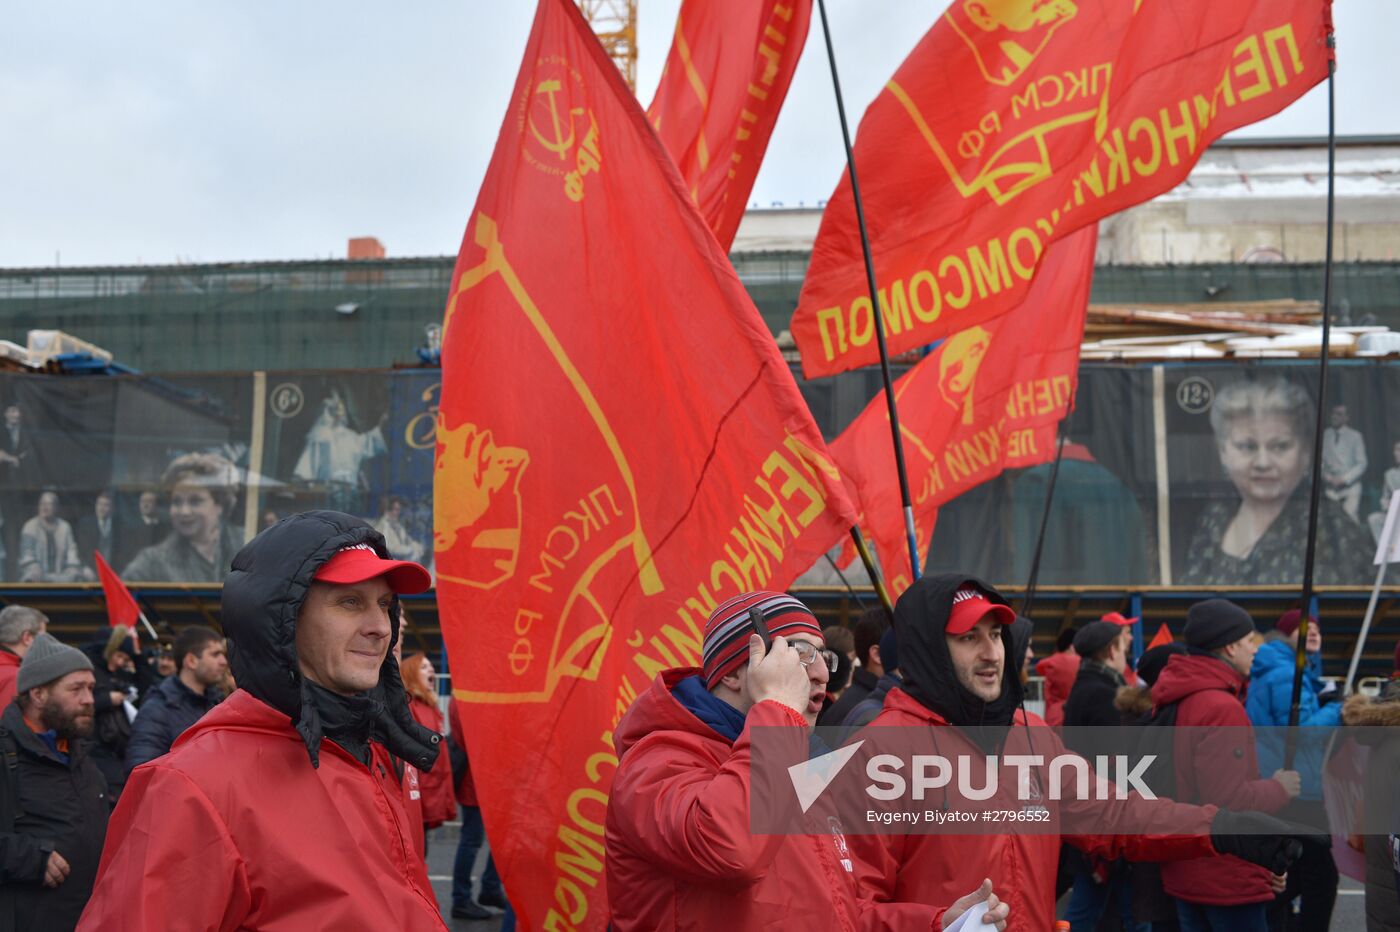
614 22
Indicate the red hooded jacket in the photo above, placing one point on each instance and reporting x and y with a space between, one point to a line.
234 829
680 854
9 676
435 786
938 868
1211 694
1059 671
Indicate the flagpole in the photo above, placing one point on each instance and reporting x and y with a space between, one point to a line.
875 311
863 549
1310 554
1029 599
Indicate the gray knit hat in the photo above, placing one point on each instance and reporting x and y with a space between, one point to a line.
47 660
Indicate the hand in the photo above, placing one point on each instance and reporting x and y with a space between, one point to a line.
1262 839
997 911
1277 882
117 697
778 675
56 870
1290 781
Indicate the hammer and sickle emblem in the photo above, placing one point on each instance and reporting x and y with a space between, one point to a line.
563 139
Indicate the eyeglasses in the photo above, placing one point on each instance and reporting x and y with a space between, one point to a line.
808 652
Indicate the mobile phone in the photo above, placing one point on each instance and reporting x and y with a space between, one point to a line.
761 627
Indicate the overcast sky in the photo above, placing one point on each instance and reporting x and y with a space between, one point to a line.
165 131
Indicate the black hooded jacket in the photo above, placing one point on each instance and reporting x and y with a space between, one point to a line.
920 621
262 596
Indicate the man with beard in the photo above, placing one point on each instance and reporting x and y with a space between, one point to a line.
954 638
680 852
282 808
53 799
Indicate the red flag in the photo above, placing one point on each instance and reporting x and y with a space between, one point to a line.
620 447
987 399
1163 636
121 604
724 82
1014 123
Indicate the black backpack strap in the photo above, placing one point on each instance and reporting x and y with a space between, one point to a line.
9 797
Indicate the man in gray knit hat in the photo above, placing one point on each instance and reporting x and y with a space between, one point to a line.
53 799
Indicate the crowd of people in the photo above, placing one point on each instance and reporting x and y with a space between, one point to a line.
289 777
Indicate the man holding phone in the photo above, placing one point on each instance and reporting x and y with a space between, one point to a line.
680 853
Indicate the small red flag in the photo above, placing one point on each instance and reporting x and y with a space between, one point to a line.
121 604
1163 636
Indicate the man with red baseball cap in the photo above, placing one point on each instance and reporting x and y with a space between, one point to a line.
954 640
288 790
1125 635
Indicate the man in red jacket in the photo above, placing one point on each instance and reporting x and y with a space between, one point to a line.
680 853
19 626
954 638
1206 685
1059 671
281 808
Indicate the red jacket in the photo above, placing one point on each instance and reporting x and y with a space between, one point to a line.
1059 671
679 851
9 676
439 803
234 829
1210 694
939 868
466 789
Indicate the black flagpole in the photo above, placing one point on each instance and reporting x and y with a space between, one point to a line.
1311 553
874 306
1029 599
863 549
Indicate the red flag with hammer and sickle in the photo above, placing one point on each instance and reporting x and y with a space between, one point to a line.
620 448
1014 123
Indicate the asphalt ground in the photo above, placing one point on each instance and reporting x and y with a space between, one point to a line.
1349 915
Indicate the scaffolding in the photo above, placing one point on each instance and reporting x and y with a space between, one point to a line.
615 24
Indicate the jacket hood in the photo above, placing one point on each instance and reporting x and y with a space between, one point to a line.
264 592
1185 674
920 621
657 710
1365 711
1134 701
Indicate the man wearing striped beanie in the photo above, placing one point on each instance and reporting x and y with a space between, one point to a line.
678 839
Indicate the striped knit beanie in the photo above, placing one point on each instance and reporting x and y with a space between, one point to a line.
726 647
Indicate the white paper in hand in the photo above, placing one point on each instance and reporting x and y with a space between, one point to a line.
970 921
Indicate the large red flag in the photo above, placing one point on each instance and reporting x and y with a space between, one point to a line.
987 399
1015 122
121 604
620 447
724 82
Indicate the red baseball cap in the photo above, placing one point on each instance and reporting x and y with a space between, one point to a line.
359 562
1118 619
971 605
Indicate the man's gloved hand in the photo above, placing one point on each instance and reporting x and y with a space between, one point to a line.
1261 839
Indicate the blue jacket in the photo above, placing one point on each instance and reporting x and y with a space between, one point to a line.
169 709
1271 694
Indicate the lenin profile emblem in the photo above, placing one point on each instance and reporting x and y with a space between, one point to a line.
484 510
958 363
1005 36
